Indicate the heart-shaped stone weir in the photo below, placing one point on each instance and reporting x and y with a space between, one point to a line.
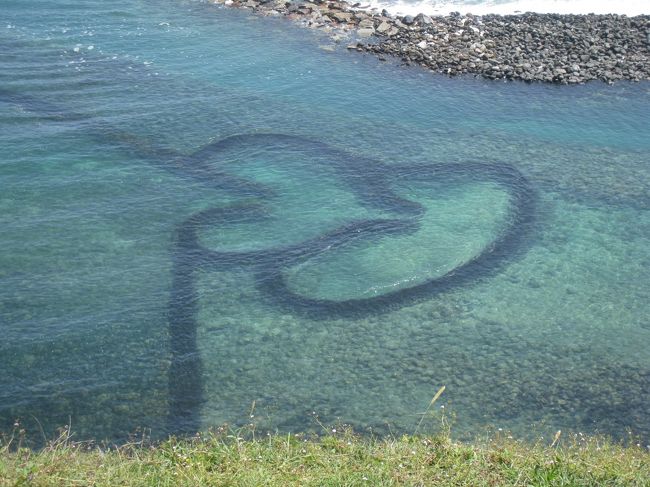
326 232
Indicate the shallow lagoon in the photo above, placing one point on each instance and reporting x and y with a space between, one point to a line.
98 113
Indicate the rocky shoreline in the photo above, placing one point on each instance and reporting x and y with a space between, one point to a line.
552 48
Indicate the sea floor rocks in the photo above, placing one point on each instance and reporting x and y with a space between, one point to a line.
552 48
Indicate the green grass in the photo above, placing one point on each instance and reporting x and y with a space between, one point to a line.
340 458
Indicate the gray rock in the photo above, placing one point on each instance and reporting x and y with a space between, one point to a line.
367 24
392 32
366 32
422 19
383 28
341 16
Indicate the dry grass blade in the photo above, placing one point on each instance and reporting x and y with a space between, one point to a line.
435 398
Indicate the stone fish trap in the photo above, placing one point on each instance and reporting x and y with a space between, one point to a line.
371 183
368 179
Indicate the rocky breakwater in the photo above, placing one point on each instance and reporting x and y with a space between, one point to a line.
337 18
552 48
566 49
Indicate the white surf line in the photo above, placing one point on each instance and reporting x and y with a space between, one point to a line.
621 7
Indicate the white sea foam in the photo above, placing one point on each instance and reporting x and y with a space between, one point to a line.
508 7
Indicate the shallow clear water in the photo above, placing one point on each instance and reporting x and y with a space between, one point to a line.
371 233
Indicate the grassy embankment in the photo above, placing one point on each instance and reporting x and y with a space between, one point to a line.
339 458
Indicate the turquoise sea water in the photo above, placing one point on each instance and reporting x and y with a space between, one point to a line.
203 210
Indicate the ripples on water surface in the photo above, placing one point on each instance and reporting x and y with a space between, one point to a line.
384 232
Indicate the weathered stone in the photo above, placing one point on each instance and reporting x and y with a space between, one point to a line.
393 31
383 27
367 24
422 19
366 32
341 16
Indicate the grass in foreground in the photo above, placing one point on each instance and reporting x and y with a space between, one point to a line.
340 458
